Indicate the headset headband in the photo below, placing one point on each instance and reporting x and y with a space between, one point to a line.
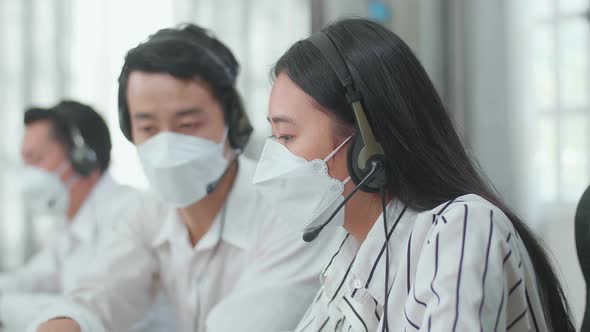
327 48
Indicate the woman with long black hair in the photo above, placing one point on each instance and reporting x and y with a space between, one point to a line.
427 243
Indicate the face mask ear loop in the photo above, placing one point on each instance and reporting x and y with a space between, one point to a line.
337 149
72 180
61 168
346 180
225 135
233 154
334 153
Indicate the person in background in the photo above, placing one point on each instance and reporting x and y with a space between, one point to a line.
427 243
210 240
66 150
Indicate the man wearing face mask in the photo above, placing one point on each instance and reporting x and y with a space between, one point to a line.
221 254
66 150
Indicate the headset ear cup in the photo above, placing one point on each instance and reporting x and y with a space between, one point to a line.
83 160
378 180
356 174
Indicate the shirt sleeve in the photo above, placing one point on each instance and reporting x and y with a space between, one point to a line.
118 288
276 289
462 275
39 274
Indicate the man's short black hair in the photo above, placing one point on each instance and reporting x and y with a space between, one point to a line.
188 52
68 113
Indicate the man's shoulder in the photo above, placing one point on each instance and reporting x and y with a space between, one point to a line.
120 196
119 202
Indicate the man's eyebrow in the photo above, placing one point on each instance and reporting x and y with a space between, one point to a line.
143 115
186 112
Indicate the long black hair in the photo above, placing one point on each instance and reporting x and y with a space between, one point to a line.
425 160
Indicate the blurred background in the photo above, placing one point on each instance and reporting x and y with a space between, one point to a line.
514 74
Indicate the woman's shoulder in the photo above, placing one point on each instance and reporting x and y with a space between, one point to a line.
471 212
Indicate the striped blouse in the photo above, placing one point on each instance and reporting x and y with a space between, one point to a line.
458 267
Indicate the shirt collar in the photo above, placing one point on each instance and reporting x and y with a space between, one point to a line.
336 272
84 224
369 268
236 217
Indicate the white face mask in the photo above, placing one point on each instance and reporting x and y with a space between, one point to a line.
302 191
44 192
181 169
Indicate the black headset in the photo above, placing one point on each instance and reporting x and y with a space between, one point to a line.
238 123
81 156
366 159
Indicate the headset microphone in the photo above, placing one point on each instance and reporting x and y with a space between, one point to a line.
213 185
311 233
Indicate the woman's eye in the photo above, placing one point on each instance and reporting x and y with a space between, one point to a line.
285 138
146 130
281 138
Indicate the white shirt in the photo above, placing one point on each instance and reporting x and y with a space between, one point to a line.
458 267
56 268
246 273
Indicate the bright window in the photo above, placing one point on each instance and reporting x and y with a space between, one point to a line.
561 62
